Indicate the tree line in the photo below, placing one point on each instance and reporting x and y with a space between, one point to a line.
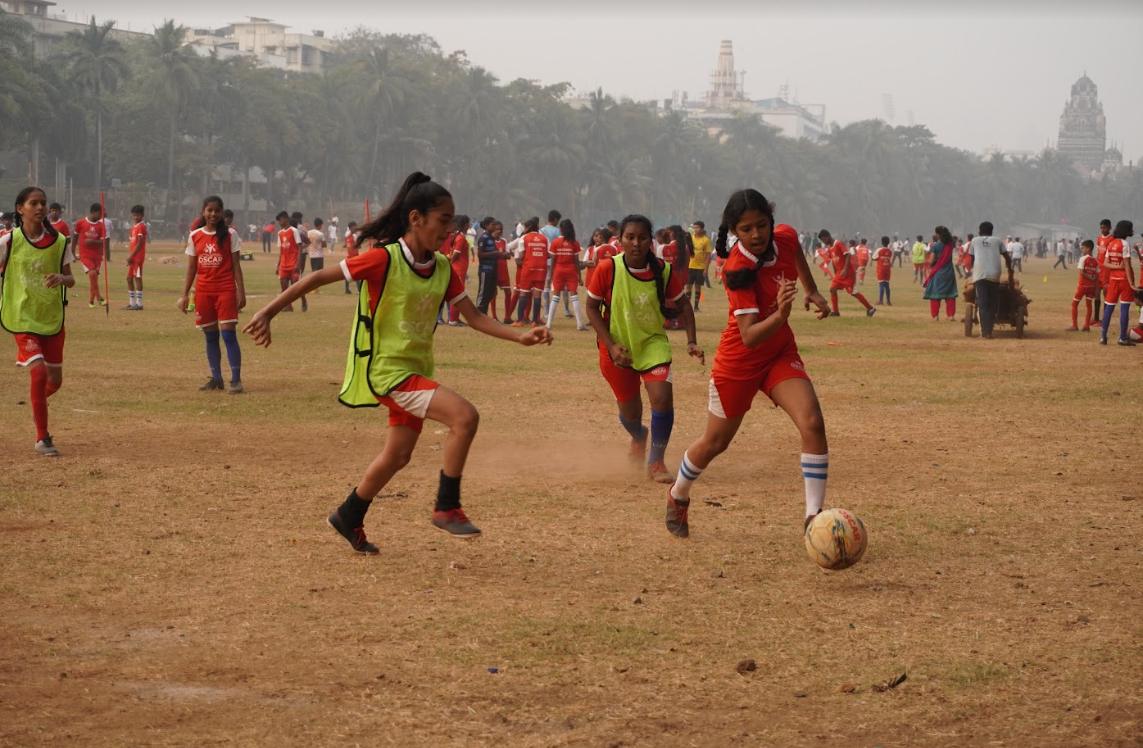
154 113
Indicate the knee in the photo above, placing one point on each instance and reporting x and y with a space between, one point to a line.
716 444
466 422
401 457
812 424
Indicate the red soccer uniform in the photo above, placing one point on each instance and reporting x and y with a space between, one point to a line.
739 373
671 254
215 292
1117 289
456 242
1101 243
90 235
1088 285
842 264
502 278
534 269
61 227
351 245
138 251
883 257
565 268
862 255
289 250
596 255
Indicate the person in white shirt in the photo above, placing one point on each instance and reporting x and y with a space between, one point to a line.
1061 254
317 246
331 232
1016 252
986 251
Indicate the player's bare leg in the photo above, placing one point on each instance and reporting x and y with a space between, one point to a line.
798 399
462 419
714 441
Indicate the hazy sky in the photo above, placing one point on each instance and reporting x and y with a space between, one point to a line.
979 74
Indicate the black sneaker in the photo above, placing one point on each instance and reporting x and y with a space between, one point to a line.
211 384
455 523
355 535
1124 341
677 516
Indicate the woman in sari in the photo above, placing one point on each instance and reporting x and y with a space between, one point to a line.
940 280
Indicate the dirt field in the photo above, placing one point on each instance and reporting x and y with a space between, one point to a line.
171 581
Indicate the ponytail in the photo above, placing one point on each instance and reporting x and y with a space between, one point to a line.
720 247
418 193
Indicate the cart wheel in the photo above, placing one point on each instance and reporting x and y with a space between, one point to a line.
1019 322
969 315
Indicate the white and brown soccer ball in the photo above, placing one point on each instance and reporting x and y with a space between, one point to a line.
835 539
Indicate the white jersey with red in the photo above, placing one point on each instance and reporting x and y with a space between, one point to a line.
215 268
1088 271
1115 260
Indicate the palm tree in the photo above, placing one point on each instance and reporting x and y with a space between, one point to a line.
385 93
96 65
174 67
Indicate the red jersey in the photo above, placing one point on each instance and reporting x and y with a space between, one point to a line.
883 258
372 267
1088 271
351 245
1115 260
599 287
456 242
1101 243
671 254
138 241
535 251
215 267
90 235
565 254
61 227
289 248
862 255
838 254
732 359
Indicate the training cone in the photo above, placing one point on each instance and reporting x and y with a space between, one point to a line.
1045 279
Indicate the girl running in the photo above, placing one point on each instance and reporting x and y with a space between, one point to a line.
35 268
757 351
564 252
390 360
629 297
215 274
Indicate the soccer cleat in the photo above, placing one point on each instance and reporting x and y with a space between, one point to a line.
1072 329
354 535
91 305
871 311
658 472
455 523
1102 340
102 302
809 519
46 448
236 388
835 314
677 516
1124 342
130 308
211 384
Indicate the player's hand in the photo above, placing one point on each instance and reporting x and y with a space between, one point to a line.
240 297
787 292
694 351
53 280
537 335
259 328
182 303
818 301
620 356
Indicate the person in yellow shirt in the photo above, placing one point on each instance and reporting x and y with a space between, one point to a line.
700 259
920 249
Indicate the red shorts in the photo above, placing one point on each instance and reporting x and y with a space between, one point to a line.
409 401
214 308
529 279
290 274
565 280
91 261
625 382
135 269
731 398
502 279
841 285
1118 291
31 348
1086 290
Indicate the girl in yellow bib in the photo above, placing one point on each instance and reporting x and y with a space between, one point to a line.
35 268
628 298
390 358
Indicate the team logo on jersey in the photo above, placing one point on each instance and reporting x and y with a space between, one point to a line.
423 320
641 309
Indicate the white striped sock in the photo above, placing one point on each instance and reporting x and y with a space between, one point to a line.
815 471
688 474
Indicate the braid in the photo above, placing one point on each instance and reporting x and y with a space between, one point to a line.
720 242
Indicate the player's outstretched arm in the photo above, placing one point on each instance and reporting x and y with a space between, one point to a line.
811 286
485 324
259 325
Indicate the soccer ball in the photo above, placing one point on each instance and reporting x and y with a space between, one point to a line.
835 539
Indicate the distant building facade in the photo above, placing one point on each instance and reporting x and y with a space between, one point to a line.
270 43
50 29
1083 129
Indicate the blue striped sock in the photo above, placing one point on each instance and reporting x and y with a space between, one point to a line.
688 474
815 471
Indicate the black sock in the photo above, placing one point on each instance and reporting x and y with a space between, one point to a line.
448 493
353 509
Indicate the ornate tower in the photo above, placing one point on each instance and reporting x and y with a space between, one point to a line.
1083 128
725 81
